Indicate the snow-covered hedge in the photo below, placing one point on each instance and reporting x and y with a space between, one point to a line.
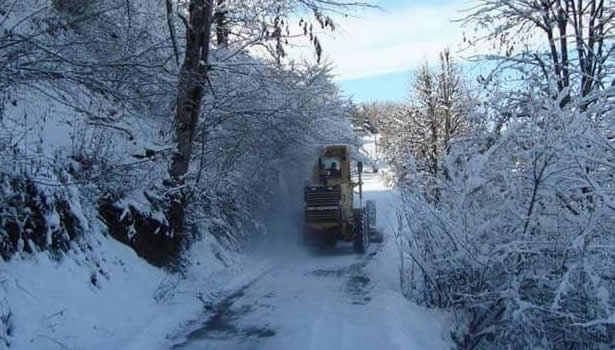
521 242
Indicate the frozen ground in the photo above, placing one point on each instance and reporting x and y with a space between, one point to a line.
331 299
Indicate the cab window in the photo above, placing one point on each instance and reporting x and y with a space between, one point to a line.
332 165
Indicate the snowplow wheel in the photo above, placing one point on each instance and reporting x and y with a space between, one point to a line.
360 228
373 234
370 206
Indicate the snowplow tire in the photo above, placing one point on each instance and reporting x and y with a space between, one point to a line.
373 234
360 228
370 207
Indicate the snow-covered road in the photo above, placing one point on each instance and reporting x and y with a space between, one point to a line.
328 299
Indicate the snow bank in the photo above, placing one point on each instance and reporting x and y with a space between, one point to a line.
107 298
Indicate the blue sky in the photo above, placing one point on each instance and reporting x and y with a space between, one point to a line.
374 51
383 87
395 86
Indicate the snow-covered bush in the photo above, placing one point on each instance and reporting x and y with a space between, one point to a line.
36 216
71 86
521 242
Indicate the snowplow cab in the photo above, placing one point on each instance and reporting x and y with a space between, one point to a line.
328 200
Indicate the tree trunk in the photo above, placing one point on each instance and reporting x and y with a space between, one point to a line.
171 25
222 31
191 87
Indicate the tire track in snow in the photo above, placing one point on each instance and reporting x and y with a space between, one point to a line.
220 325
226 325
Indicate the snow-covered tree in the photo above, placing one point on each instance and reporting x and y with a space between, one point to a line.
565 42
425 129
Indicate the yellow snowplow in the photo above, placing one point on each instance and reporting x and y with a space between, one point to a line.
328 202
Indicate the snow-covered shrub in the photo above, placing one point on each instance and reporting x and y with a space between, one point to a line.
36 216
521 243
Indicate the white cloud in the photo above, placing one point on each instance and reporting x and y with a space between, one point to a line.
380 42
